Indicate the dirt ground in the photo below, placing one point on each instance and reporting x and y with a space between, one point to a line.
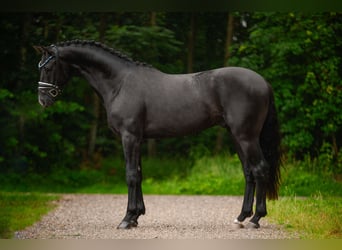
167 217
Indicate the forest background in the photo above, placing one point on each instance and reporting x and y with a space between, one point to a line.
299 54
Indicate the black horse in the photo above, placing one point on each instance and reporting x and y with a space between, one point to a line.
142 102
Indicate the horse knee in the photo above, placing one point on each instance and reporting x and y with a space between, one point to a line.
132 179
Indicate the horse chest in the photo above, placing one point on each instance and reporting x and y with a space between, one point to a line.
125 118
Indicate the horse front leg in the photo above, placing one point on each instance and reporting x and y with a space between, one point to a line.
135 206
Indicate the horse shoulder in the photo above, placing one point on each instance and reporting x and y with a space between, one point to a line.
126 110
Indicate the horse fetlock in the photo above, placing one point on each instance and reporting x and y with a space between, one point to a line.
244 215
260 213
141 210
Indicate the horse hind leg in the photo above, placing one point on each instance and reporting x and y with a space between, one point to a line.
248 200
256 172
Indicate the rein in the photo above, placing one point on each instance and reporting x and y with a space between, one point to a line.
51 89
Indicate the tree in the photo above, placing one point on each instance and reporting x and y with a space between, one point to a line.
191 42
96 100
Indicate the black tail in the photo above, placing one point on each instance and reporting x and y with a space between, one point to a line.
270 145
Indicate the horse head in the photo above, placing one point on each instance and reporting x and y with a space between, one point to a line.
53 75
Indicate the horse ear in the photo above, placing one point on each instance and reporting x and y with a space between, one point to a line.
42 49
39 49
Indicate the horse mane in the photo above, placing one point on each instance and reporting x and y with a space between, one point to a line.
104 47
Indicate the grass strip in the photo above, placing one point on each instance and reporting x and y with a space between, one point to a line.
315 217
20 210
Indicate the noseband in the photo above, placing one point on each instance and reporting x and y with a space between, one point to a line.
50 89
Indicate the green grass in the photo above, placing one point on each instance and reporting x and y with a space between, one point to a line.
208 175
19 210
315 217
299 182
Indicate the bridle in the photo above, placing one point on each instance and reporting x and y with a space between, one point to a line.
51 89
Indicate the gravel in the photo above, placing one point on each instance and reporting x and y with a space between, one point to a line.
167 217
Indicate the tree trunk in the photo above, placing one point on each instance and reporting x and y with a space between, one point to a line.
46 29
26 22
96 99
58 26
94 125
153 19
23 46
191 43
334 146
229 39
151 143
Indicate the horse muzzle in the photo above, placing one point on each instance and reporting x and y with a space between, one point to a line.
47 93
45 101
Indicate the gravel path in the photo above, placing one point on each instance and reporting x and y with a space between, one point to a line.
167 217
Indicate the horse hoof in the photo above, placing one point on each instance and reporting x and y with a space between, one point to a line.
124 225
127 225
134 223
237 224
251 225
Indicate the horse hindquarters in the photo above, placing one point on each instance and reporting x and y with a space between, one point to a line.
246 109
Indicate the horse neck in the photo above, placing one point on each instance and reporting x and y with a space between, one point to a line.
101 69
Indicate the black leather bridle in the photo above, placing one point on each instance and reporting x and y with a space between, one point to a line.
50 89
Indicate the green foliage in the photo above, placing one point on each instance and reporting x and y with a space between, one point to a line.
5 93
19 210
133 40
